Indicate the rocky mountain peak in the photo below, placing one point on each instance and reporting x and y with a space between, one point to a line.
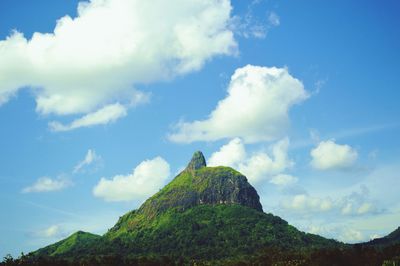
200 185
198 161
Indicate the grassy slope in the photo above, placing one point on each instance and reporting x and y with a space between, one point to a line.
204 232
174 195
74 243
166 225
212 232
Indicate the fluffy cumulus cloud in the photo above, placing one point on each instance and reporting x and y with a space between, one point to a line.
350 235
357 203
306 203
229 154
341 232
47 184
283 180
90 158
93 61
329 155
257 167
146 179
255 109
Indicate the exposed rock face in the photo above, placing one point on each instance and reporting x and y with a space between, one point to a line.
199 184
198 161
227 187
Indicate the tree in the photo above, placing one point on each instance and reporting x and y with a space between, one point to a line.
8 260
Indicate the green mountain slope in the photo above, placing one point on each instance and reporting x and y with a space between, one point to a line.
196 185
200 233
203 214
69 246
212 232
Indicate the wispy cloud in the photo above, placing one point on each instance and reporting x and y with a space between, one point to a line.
251 25
90 158
52 231
354 132
316 136
47 184
273 19
105 115
50 208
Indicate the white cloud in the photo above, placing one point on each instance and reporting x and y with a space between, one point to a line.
306 203
229 154
374 236
50 232
329 155
283 180
316 229
349 208
256 167
339 231
252 25
95 59
90 158
146 179
273 19
370 206
255 109
357 203
349 235
46 184
105 115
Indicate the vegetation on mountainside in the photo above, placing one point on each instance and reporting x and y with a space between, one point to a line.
391 239
352 255
213 232
207 216
74 243
202 233
206 185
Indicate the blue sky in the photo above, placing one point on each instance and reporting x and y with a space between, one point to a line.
301 97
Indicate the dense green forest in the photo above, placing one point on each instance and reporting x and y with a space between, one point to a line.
351 255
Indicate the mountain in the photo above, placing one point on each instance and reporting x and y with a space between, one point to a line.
201 185
205 215
391 239
69 246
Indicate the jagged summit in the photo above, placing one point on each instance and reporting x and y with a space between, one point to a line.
198 161
200 185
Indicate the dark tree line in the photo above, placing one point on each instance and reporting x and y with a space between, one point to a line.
355 255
